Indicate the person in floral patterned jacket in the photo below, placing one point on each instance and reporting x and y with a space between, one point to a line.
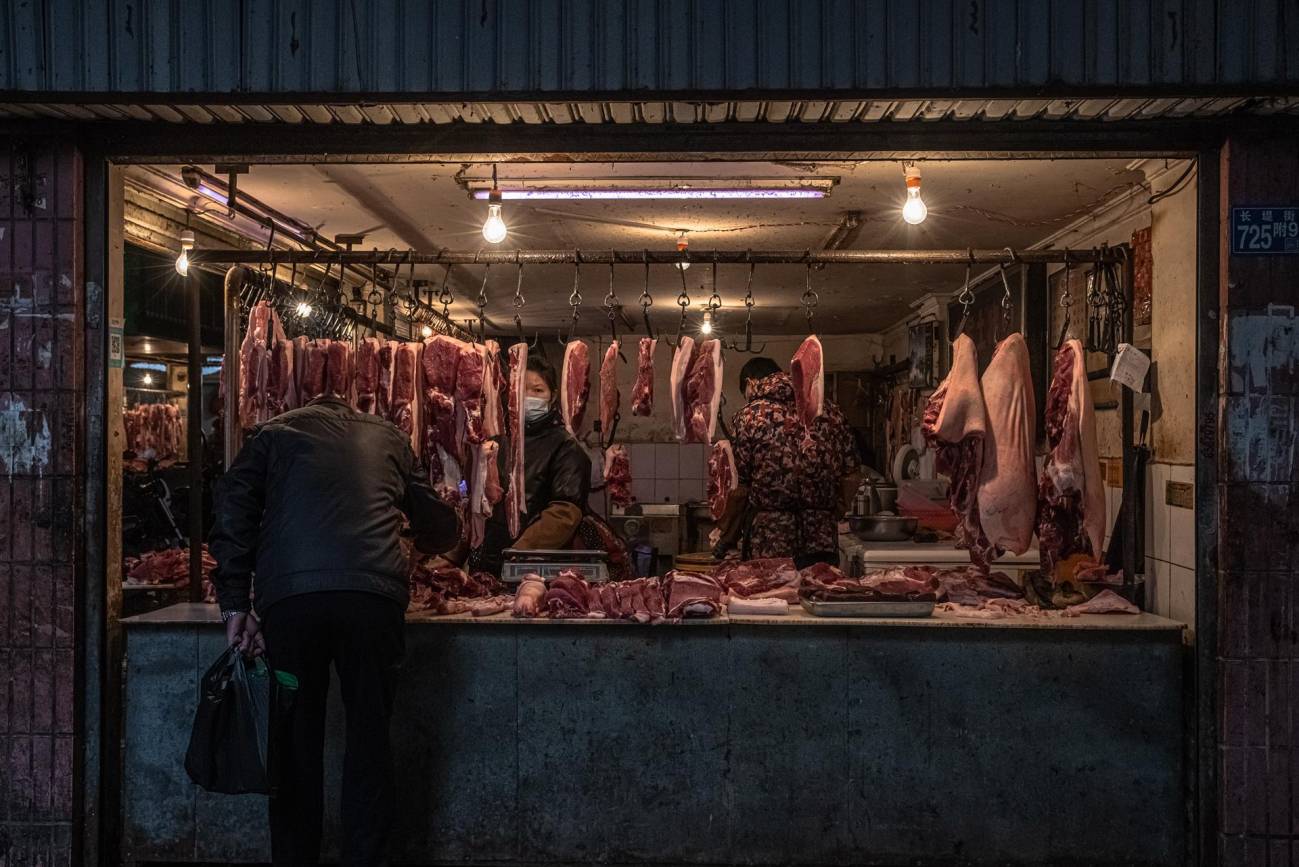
795 482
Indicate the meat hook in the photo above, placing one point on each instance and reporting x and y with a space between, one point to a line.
646 302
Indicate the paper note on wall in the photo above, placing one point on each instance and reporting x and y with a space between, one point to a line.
1130 367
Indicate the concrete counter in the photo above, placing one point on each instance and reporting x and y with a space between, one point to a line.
738 740
197 613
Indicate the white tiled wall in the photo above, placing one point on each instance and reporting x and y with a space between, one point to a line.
1170 546
668 472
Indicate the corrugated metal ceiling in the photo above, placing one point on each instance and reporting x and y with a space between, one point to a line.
534 48
659 112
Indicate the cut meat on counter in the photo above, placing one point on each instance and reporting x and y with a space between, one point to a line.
516 498
617 475
444 590
367 375
954 425
528 598
723 477
609 394
825 583
168 566
691 594
642 393
767 606
1071 501
681 362
773 578
703 392
1105 602
807 372
1007 492
570 596
403 407
574 384
973 586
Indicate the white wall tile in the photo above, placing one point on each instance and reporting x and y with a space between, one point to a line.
1162 577
1181 537
691 490
666 491
1184 473
694 461
1181 601
667 461
642 461
642 487
1154 591
1147 513
1158 543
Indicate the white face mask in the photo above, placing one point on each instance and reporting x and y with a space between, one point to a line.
535 407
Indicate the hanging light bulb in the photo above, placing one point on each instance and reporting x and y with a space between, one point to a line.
494 227
682 246
706 327
304 309
148 379
914 211
186 244
426 331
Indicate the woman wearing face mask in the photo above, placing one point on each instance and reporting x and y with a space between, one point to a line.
557 482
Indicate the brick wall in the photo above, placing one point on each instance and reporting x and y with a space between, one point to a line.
1258 654
40 402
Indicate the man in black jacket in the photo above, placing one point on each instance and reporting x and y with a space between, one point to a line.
312 507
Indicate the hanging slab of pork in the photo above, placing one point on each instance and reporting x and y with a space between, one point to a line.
1071 501
442 446
339 369
493 382
681 361
617 475
704 392
807 372
610 397
281 391
367 375
403 401
516 502
722 477
642 392
954 425
484 488
574 384
1007 493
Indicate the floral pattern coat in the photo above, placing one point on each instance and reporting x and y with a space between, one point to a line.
792 472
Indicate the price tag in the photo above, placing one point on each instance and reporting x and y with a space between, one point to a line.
1264 230
1130 367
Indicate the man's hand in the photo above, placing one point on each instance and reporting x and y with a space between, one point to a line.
245 632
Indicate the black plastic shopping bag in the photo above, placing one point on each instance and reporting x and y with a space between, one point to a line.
241 701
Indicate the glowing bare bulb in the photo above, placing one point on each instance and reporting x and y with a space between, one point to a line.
706 327
304 309
426 332
148 379
914 211
186 244
682 246
494 228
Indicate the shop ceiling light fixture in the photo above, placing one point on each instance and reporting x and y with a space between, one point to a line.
426 331
494 230
633 194
649 187
683 247
186 244
914 211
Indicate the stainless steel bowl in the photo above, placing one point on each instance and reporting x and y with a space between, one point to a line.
883 528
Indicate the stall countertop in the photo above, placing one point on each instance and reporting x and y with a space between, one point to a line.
198 613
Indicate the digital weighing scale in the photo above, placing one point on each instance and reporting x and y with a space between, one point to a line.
591 565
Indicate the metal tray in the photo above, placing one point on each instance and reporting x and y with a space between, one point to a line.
867 609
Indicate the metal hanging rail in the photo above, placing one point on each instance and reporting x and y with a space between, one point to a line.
1003 256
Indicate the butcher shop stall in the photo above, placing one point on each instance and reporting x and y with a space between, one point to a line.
974 653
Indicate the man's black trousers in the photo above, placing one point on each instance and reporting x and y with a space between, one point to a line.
362 634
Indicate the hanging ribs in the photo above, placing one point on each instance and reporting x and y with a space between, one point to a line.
642 392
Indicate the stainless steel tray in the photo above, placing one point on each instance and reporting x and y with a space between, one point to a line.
867 609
